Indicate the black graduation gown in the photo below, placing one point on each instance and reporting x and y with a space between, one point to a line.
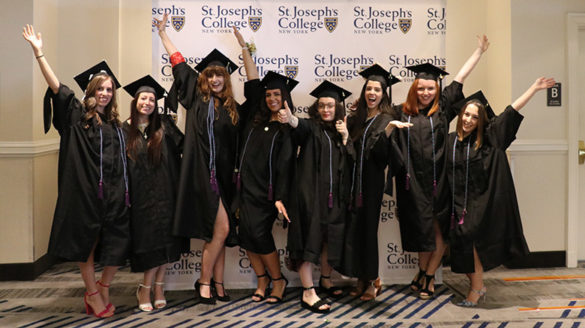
197 203
417 206
492 222
312 221
361 245
256 208
81 217
153 192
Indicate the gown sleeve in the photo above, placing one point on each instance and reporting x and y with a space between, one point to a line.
172 132
451 95
253 92
184 87
64 106
300 134
503 128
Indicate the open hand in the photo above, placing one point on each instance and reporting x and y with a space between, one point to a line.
36 42
161 25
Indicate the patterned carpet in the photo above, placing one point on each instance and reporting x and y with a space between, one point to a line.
516 298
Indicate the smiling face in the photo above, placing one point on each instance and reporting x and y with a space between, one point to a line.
373 94
469 119
103 94
274 100
145 104
216 83
426 92
326 108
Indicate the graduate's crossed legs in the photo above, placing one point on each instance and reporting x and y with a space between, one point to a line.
213 258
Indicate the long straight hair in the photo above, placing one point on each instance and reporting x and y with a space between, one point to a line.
481 122
155 137
226 95
410 106
90 102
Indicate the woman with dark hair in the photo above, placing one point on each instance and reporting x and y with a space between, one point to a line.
319 194
262 179
206 191
369 126
91 220
486 229
154 153
419 163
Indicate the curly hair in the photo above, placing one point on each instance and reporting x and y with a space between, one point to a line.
90 101
226 95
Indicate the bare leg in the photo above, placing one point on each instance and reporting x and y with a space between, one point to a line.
144 293
87 269
214 252
104 285
435 256
309 295
326 270
272 262
159 279
259 269
476 279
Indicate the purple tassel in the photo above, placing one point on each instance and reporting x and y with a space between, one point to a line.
452 220
101 190
407 187
434 187
127 198
270 198
462 219
330 200
360 200
213 182
238 181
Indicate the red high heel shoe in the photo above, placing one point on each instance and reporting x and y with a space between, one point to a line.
109 305
89 309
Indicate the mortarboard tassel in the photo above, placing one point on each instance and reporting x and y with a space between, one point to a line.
127 198
330 200
270 197
238 181
101 189
435 187
462 218
407 187
360 200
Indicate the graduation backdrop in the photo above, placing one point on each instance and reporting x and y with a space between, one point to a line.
309 41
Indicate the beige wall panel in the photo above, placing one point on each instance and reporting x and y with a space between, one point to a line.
45 198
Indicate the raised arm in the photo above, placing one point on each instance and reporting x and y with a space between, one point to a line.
540 84
36 43
161 25
249 65
482 46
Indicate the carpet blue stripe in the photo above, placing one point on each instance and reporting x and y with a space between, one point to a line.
38 321
436 308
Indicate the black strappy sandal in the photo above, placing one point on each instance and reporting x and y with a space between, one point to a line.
225 297
416 283
204 300
274 297
260 298
315 307
425 293
333 292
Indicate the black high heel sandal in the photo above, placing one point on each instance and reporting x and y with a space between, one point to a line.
425 293
315 307
225 297
274 297
333 292
416 283
259 297
204 300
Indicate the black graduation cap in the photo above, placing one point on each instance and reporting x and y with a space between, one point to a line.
428 71
148 84
273 80
479 96
328 89
216 58
378 70
84 78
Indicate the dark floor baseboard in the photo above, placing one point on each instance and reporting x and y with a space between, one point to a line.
26 271
539 260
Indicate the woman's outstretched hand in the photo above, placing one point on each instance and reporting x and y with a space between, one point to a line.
161 25
35 40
